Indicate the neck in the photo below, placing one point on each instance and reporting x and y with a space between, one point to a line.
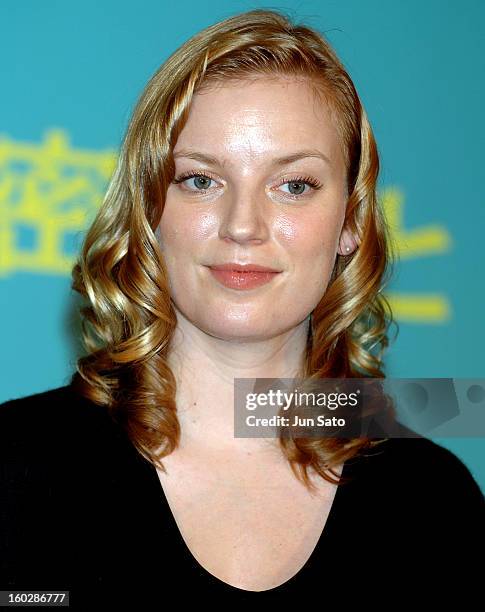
205 368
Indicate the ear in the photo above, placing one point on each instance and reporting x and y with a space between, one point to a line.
348 243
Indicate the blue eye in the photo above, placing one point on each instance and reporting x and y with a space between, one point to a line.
300 183
203 179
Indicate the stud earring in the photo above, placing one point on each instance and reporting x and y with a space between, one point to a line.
347 249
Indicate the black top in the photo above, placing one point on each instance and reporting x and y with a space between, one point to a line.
81 510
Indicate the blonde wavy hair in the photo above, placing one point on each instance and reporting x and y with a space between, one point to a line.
129 321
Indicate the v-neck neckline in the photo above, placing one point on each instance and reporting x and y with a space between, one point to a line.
193 564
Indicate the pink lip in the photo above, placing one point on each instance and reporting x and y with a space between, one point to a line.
235 276
242 267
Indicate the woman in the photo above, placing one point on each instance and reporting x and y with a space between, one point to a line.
249 149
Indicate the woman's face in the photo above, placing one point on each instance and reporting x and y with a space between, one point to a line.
246 207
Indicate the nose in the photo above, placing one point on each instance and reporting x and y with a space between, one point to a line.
243 218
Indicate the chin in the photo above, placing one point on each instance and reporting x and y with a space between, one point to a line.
242 331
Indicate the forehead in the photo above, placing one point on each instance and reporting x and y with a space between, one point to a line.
252 119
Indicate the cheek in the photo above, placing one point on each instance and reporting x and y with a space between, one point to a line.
183 229
310 244
310 241
201 226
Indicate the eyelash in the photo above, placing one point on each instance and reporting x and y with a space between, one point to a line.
299 179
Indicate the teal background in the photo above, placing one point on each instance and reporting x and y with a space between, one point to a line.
418 67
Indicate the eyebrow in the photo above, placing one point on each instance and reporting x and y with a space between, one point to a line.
277 161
